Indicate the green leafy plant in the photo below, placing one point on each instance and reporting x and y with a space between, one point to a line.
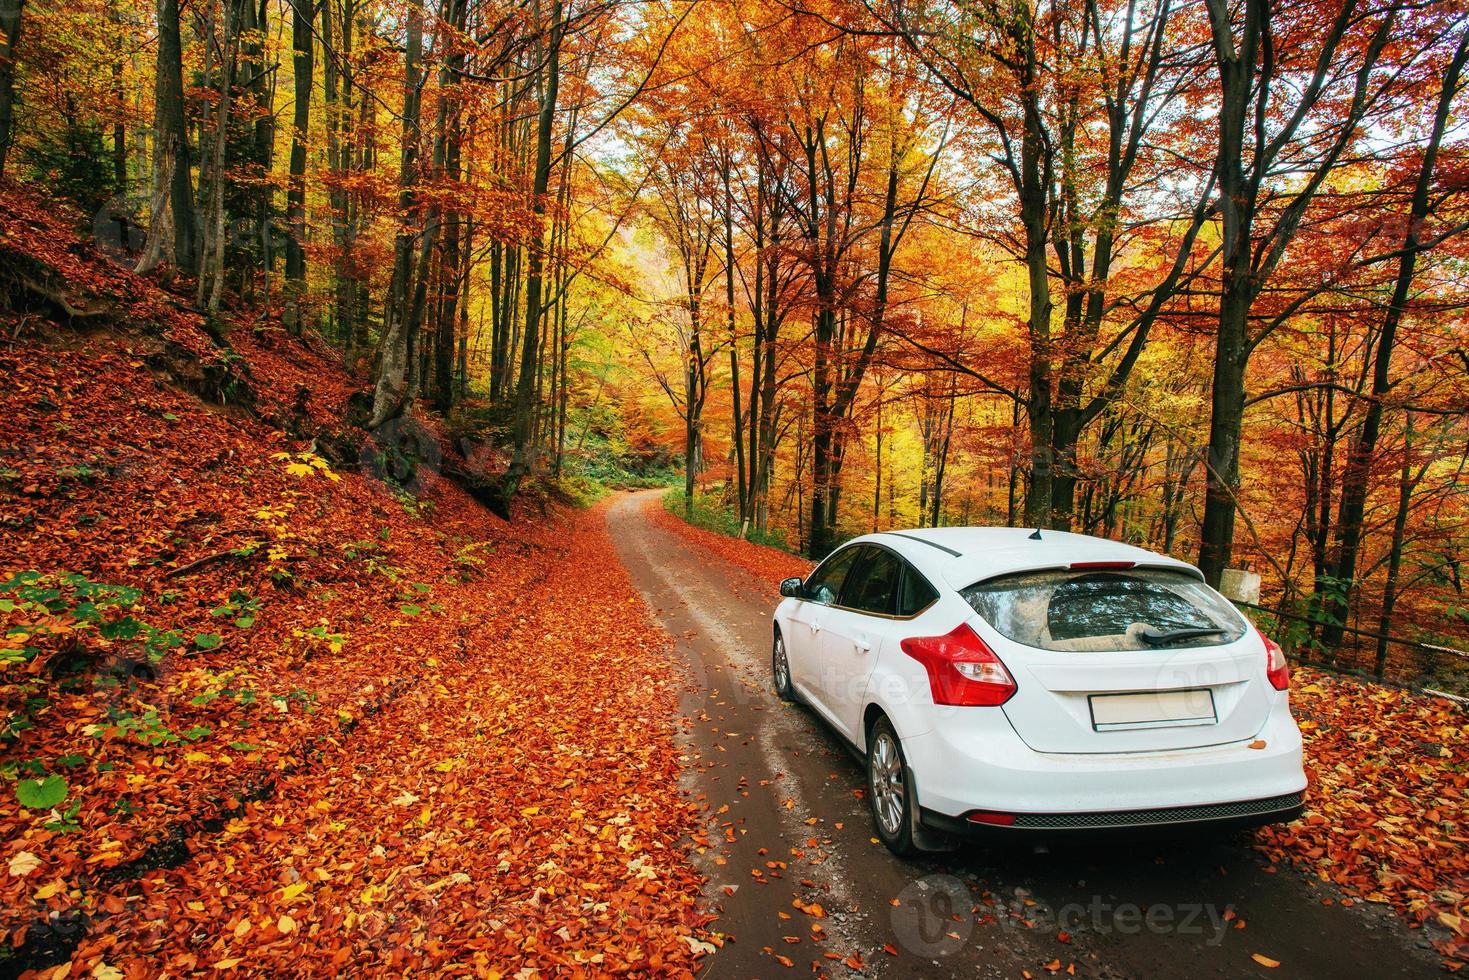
241 608
41 794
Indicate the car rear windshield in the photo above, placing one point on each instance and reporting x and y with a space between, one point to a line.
1094 611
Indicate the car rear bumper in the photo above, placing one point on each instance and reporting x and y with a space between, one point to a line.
976 762
1216 816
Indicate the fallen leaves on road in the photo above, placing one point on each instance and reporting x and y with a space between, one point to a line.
1385 817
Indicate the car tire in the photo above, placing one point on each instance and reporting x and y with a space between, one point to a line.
890 791
780 669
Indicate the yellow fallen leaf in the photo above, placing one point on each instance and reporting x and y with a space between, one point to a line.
291 892
46 891
286 925
228 964
1264 960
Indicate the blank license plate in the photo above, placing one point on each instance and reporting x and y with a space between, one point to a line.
1153 709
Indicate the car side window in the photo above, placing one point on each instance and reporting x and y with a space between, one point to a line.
825 584
916 594
873 585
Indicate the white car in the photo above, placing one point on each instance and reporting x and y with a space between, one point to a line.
1001 680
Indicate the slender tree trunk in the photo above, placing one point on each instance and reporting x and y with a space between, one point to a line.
259 82
737 427
119 126
450 119
338 110
10 20
301 44
523 412
391 390
1236 66
1395 553
211 260
1034 190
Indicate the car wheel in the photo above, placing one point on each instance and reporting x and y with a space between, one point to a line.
780 669
890 790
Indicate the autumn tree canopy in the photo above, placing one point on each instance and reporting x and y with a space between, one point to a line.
1184 274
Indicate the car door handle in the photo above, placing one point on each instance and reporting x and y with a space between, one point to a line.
815 626
862 645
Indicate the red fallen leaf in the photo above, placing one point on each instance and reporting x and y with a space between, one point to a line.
1052 966
785 961
890 949
1264 960
854 962
1063 936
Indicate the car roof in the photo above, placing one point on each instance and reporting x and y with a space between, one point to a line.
961 556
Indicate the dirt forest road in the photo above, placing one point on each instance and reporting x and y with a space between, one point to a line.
788 830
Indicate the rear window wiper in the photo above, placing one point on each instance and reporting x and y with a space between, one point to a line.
1158 638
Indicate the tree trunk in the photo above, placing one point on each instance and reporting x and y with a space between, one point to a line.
1236 67
171 158
1395 554
215 238
450 120
391 390
10 18
338 110
301 44
736 427
522 457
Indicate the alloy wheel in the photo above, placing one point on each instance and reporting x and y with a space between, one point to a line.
888 784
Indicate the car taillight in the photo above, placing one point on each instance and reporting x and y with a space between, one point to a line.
1277 669
961 669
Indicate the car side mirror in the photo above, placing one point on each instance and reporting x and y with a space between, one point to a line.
792 588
